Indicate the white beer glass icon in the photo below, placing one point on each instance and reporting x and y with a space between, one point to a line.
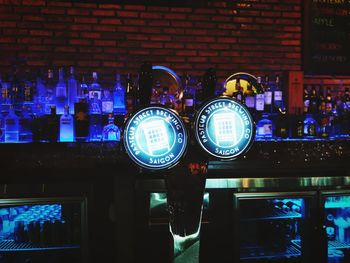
156 137
224 129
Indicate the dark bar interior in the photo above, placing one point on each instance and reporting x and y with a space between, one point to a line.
174 131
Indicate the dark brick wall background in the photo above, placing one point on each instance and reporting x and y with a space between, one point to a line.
255 36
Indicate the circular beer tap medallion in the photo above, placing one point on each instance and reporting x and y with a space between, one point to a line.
155 138
224 128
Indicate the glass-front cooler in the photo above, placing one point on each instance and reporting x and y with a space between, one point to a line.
42 230
273 227
336 224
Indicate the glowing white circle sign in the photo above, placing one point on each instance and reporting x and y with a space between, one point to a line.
155 138
224 128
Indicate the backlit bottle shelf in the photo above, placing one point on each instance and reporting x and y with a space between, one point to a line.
11 246
256 253
274 215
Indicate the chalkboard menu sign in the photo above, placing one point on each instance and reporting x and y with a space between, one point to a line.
327 36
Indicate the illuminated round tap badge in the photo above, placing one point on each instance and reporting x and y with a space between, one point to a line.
224 128
155 138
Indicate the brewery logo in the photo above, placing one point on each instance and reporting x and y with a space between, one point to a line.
224 128
155 138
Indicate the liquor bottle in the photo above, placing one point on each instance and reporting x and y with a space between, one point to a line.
282 128
298 125
346 113
5 95
52 125
335 122
329 100
2 128
129 93
310 126
321 101
83 90
95 105
40 91
61 92
72 85
267 96
106 102
26 124
324 122
167 99
209 82
278 95
66 126
95 88
188 99
314 102
39 124
95 128
11 126
155 97
238 94
81 119
16 91
306 99
111 131
50 97
260 96
1 89
249 97
145 84
264 127
119 106
29 88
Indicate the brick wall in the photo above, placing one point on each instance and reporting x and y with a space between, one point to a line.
252 35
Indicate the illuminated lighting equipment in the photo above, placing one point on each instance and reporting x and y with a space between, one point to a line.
224 128
155 138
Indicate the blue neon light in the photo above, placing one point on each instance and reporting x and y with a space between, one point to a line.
224 128
155 138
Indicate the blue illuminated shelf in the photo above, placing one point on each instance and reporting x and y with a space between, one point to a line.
275 215
335 244
297 242
275 139
11 246
249 253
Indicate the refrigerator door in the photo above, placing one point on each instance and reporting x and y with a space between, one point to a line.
273 227
336 225
43 230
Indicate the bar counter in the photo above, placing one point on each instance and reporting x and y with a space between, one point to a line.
118 191
269 158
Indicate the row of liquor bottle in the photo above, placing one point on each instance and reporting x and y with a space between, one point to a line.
127 94
264 96
25 127
318 98
28 104
30 91
326 113
309 126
